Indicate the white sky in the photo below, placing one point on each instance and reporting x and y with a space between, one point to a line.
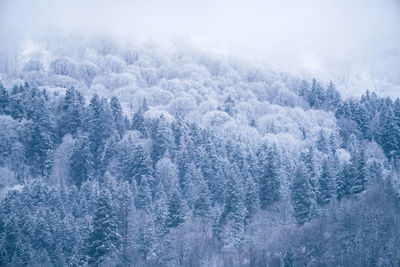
292 34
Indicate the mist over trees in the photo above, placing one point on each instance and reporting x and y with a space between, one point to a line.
141 156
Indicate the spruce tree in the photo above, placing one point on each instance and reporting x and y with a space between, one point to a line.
99 126
4 101
143 198
360 176
301 194
325 182
81 163
344 181
138 122
118 116
104 238
162 139
269 179
201 195
322 142
176 210
72 113
233 216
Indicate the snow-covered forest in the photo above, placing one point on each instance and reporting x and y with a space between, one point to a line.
145 156
200 133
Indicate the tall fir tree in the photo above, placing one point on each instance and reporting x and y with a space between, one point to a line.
99 127
4 101
176 210
118 116
162 139
81 163
269 179
104 238
301 194
325 184
138 121
72 113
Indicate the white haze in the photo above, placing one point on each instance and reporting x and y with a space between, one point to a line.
356 43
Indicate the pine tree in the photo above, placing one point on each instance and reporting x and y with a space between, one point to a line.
104 239
110 152
124 210
344 181
72 113
118 116
303 89
161 139
322 142
99 128
333 98
301 194
234 213
40 137
81 164
138 122
143 197
176 210
313 95
251 197
310 165
201 195
4 101
17 110
188 181
390 134
160 211
325 181
142 163
360 176
269 180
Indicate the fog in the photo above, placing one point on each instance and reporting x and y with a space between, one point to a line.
354 42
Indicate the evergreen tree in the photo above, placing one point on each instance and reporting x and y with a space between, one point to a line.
104 239
325 181
301 194
176 210
142 163
360 176
322 142
251 198
234 212
99 128
124 212
39 137
269 179
344 181
81 164
118 116
201 195
311 168
110 152
161 139
160 211
303 89
333 98
72 113
143 197
390 134
4 101
138 122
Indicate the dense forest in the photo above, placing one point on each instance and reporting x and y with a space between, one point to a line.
146 157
